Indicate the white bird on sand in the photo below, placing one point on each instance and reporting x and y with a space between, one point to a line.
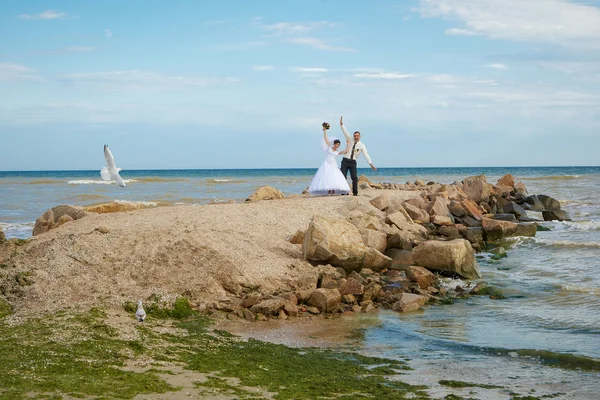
111 172
140 314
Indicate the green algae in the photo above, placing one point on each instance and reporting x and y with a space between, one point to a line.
460 384
5 308
181 309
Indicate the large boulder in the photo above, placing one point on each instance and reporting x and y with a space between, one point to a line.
549 203
409 302
416 213
374 239
477 188
439 208
515 209
266 193
268 307
556 215
339 243
456 256
2 236
381 202
507 180
472 209
496 230
422 276
325 300
56 216
533 203
401 259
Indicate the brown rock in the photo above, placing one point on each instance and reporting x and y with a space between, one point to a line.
439 208
374 239
352 286
521 189
2 236
325 300
114 207
251 299
248 315
376 261
63 220
496 230
333 241
442 220
266 193
44 223
507 180
455 256
457 209
364 179
381 202
422 276
372 290
477 188
416 213
475 235
348 299
401 259
298 238
399 219
450 231
472 209
268 307
304 295
409 302
418 202
102 229
399 239
369 307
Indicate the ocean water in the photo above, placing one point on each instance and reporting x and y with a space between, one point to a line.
543 339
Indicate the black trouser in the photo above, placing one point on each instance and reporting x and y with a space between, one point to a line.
348 164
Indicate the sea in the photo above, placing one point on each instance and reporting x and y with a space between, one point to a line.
542 340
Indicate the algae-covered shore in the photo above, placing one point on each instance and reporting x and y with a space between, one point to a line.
68 293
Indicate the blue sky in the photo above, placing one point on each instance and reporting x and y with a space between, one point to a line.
246 84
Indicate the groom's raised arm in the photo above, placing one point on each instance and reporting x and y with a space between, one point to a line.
344 131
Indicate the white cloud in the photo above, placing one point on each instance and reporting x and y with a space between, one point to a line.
10 72
558 22
317 44
384 75
309 70
263 68
497 66
136 80
460 32
46 15
295 28
108 33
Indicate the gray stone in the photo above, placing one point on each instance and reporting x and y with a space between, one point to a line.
455 256
549 203
506 217
534 203
515 209
556 215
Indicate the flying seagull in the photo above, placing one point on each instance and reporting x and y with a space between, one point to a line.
111 172
140 314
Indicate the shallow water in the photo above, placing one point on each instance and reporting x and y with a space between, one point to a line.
548 325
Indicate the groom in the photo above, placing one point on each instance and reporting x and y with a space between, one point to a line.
349 160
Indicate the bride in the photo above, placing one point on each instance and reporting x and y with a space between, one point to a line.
329 178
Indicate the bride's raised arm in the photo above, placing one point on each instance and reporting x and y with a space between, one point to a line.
347 149
325 136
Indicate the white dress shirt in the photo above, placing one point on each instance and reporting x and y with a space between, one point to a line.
359 148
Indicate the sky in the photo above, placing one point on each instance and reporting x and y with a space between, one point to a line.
247 84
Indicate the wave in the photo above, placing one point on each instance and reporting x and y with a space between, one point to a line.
17 230
151 179
579 225
566 244
96 182
553 178
138 202
224 180
580 289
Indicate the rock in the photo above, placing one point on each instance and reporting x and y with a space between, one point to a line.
409 302
335 242
450 231
269 307
114 206
506 217
472 209
400 258
44 223
325 300
365 221
290 309
504 191
369 307
2 236
457 209
498 252
521 189
419 182
313 310
423 277
477 188
455 256
348 299
248 315
471 222
266 193
250 300
556 215
282 315
474 235
534 203
374 239
102 229
418 202
515 209
352 286
442 220
416 213
381 202
63 220
507 180
439 208
364 179
304 295
399 239
496 230
376 261
549 203
372 290
298 238
399 219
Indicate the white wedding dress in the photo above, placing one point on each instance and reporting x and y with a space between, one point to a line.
329 177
